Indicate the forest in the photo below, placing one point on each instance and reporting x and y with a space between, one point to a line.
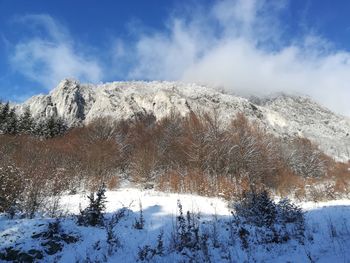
42 159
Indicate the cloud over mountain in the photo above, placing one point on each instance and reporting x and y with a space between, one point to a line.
51 54
241 45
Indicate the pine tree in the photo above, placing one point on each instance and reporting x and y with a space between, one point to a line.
4 112
139 223
50 128
1 106
12 123
39 128
26 122
93 214
1 117
60 127
55 126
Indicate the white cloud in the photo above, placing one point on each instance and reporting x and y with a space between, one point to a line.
165 57
236 44
239 45
52 55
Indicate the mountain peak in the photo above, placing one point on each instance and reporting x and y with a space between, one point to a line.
66 85
282 115
68 82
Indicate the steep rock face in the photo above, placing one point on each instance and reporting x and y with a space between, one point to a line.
69 100
281 115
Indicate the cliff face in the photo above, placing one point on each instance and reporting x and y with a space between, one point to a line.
69 100
282 115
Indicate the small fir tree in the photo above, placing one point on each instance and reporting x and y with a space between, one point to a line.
26 122
11 122
139 223
93 214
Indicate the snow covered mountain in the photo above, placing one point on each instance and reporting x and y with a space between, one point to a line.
282 115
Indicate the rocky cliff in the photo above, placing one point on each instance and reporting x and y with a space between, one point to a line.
282 114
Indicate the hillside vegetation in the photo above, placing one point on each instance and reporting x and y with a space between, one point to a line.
64 195
191 154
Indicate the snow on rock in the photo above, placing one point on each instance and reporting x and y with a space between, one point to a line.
282 115
311 120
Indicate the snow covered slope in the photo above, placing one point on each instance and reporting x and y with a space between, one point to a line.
327 236
282 115
311 120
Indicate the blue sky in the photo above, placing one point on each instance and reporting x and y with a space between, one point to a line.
93 25
292 46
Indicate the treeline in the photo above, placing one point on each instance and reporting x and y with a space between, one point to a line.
13 123
192 154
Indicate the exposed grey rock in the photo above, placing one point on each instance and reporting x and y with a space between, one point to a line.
282 115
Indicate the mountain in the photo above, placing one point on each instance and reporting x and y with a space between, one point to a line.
283 115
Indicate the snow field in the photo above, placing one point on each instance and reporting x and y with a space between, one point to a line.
327 233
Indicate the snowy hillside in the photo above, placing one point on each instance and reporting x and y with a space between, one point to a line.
283 115
326 237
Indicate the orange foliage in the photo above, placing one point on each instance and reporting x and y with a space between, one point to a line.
193 154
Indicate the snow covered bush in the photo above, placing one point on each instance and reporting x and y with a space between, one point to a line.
55 237
256 208
186 235
148 253
258 217
305 159
112 239
287 212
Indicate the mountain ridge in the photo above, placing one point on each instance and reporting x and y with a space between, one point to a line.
282 115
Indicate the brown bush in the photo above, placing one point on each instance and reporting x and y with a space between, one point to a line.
195 154
228 189
170 181
11 187
290 184
112 183
340 172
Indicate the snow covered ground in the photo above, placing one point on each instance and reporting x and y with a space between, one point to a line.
327 232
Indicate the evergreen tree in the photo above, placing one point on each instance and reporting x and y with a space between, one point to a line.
39 128
60 127
4 112
26 122
55 126
1 117
93 214
11 122
1 105
50 128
